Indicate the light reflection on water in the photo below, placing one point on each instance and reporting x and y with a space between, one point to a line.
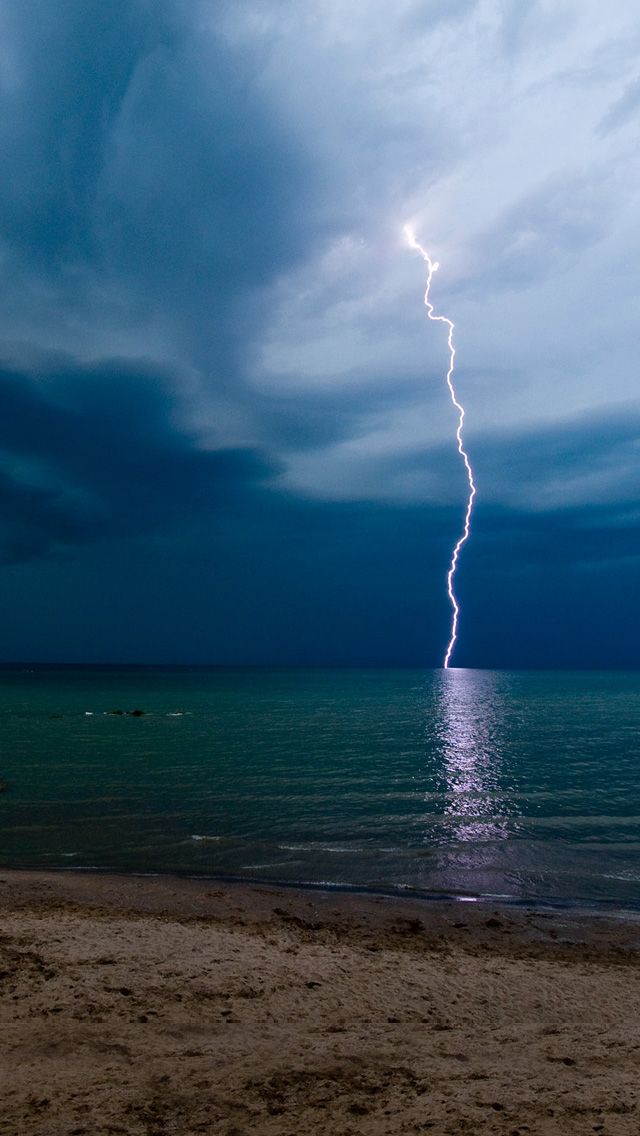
468 731
466 736
466 781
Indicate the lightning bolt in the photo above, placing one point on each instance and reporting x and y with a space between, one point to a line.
432 266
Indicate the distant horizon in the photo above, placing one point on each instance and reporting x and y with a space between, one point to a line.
39 664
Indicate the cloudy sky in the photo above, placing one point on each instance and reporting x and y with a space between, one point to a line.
224 430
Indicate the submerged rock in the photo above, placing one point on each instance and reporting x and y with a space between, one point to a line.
4 785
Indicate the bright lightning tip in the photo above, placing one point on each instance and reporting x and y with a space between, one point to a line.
414 243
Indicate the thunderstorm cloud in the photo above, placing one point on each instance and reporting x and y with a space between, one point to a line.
224 434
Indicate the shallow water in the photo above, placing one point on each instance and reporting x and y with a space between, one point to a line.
517 784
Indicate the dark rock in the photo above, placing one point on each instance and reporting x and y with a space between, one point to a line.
4 785
137 713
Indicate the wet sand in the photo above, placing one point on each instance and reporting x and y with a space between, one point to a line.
158 1005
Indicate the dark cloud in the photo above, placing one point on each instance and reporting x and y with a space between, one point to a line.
198 195
172 172
34 520
92 452
323 414
541 469
151 183
543 464
561 538
290 582
73 65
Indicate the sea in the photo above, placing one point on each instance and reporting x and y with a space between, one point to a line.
522 786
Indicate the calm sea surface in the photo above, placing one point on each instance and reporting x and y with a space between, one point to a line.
519 784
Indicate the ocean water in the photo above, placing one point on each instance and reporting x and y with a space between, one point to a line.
523 785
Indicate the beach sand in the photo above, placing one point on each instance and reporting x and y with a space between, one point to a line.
159 1005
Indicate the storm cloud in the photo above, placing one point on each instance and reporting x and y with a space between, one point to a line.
215 360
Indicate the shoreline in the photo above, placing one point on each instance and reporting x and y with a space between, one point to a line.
611 909
144 1005
460 921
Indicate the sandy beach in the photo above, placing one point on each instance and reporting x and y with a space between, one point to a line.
159 1005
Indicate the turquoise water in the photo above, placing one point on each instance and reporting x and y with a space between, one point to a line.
518 784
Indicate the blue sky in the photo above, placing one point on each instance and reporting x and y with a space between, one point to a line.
224 430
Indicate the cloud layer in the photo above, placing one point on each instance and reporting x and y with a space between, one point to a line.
212 336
